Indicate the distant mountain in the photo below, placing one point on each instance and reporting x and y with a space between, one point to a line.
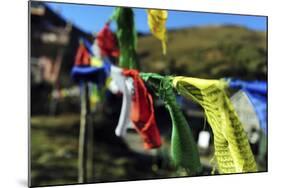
207 52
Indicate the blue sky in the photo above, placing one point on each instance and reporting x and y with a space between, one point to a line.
92 18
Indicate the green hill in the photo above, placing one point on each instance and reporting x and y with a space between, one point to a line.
207 52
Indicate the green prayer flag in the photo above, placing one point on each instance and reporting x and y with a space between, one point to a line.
183 147
127 37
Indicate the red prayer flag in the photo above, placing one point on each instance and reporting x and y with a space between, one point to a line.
107 42
83 57
142 114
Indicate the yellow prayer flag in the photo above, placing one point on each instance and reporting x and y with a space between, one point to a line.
96 62
157 24
232 149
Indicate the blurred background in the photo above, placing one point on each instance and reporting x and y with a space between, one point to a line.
202 45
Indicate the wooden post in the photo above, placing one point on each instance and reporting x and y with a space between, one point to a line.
82 150
90 143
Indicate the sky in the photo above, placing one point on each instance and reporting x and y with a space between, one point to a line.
91 18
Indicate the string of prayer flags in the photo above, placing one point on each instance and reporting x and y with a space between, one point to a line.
127 37
183 146
88 68
232 149
107 42
142 112
157 24
124 119
257 93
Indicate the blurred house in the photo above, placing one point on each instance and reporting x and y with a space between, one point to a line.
53 45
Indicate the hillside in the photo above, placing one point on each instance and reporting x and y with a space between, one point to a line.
207 52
